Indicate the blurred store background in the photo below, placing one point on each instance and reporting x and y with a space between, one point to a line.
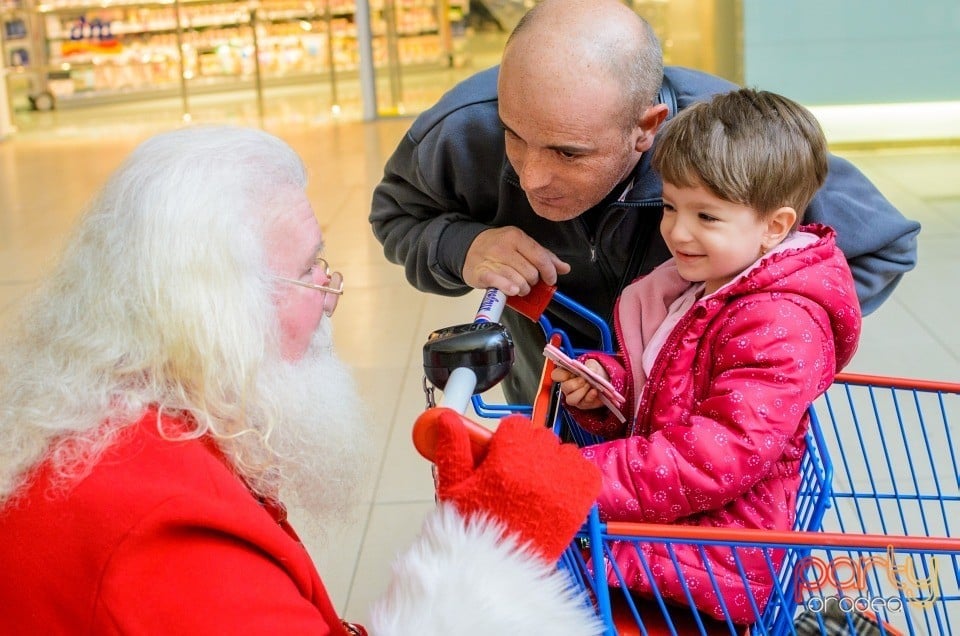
874 70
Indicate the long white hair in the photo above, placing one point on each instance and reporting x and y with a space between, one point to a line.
162 297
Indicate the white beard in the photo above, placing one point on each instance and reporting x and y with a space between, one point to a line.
321 437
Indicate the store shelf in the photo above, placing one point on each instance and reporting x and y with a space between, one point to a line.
109 51
21 46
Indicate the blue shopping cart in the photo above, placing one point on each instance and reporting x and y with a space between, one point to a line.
874 549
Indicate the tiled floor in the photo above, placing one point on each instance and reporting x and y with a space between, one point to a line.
46 178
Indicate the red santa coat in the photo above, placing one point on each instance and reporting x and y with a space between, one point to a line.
719 427
163 538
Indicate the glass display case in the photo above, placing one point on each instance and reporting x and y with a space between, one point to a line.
110 51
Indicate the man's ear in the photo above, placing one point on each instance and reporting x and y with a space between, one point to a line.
779 225
649 124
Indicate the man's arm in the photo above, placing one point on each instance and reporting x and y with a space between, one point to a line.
440 188
417 225
880 244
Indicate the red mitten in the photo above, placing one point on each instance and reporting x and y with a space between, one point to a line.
540 489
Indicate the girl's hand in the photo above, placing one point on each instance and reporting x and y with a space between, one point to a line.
576 390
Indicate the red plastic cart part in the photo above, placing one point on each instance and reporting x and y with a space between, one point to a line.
755 536
882 381
535 303
425 432
542 403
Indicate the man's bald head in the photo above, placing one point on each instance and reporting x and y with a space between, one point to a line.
571 41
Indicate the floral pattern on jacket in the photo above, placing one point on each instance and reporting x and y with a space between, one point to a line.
719 425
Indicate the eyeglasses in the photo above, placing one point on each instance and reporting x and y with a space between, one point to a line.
334 287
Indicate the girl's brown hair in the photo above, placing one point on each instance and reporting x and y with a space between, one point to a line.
750 147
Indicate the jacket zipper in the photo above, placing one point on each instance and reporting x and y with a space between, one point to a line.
591 238
618 334
657 370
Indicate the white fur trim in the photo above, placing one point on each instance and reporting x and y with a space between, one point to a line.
468 579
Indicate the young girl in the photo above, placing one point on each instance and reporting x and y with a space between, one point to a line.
723 347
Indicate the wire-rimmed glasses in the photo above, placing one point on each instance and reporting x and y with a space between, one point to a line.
334 284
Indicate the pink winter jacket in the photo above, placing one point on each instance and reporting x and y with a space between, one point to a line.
719 427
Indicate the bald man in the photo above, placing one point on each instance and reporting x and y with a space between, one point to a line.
539 169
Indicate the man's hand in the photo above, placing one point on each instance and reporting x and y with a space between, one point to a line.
576 390
511 261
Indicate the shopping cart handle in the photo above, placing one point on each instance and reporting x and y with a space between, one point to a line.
425 432
425 428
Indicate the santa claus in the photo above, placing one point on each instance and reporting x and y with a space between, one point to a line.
172 385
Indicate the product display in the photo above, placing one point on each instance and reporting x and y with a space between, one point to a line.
134 50
20 38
